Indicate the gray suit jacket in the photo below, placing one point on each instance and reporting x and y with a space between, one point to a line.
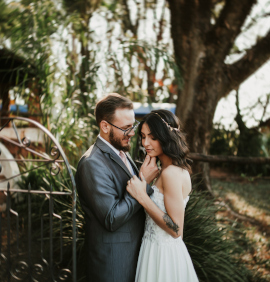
114 220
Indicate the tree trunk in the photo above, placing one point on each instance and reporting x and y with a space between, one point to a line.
198 123
200 48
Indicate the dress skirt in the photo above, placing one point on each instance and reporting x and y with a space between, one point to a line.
165 262
163 258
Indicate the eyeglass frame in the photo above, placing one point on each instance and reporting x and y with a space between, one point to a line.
128 130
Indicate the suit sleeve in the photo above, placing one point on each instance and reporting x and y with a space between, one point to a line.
98 195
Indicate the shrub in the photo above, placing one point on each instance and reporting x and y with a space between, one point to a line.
211 244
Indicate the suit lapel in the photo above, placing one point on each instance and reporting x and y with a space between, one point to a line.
106 149
117 159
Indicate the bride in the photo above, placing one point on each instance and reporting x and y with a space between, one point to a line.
163 255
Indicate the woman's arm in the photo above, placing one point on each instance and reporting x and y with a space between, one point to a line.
172 221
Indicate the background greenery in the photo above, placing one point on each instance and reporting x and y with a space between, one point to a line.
62 70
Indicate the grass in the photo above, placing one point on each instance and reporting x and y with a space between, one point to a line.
249 198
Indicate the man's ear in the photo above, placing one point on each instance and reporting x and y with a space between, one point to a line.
104 127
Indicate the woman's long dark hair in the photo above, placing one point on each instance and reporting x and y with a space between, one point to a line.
165 127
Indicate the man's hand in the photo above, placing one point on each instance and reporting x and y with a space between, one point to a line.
149 169
137 188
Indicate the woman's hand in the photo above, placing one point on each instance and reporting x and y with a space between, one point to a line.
149 169
137 187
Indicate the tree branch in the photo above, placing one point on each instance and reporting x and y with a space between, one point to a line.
254 58
265 107
182 16
263 123
183 21
239 119
127 20
161 24
228 26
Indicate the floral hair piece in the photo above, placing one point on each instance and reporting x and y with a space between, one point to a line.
169 127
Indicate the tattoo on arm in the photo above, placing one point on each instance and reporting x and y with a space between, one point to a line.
170 223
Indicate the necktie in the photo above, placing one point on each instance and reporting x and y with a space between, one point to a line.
124 159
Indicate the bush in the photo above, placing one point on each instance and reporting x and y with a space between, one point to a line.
249 143
223 141
211 244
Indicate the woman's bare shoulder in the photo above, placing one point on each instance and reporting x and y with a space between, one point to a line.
176 176
175 171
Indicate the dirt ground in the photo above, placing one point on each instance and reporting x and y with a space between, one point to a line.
250 197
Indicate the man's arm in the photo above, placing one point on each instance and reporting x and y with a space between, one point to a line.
98 193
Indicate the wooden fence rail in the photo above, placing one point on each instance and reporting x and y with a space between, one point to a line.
232 159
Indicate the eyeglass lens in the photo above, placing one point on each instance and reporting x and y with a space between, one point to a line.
130 129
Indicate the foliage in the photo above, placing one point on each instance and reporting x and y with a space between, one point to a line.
64 91
251 143
54 92
73 58
66 66
223 141
148 57
212 248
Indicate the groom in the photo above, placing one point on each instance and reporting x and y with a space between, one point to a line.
114 220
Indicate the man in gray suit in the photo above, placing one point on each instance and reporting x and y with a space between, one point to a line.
114 220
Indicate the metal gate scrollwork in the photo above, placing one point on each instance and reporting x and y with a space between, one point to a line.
38 214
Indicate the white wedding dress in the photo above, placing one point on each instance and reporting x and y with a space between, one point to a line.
163 258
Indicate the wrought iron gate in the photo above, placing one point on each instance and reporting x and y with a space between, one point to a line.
38 223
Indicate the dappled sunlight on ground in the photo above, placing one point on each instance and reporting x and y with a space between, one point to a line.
241 206
251 200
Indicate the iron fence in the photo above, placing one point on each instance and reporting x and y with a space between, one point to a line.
38 221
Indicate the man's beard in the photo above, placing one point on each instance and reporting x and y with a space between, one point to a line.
116 142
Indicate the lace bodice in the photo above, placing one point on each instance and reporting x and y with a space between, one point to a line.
152 231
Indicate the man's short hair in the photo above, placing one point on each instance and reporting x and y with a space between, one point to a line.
106 107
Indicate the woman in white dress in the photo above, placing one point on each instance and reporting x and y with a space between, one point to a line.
163 255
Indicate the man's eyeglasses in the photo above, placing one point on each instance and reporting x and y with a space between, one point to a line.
127 131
